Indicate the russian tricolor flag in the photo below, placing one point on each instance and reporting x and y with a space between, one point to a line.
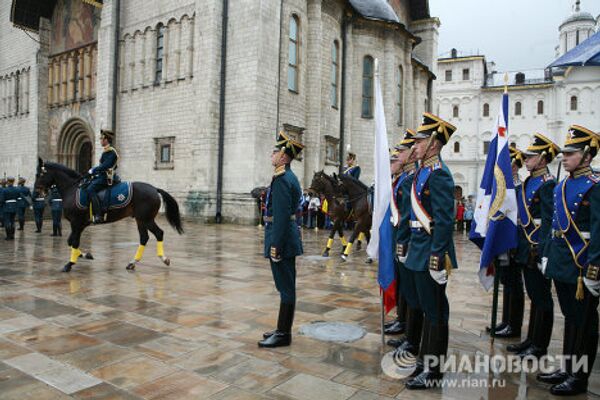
381 246
494 227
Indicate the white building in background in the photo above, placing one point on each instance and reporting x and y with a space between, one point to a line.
468 93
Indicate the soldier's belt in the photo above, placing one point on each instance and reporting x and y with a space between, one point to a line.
270 219
56 199
560 234
418 225
40 199
10 201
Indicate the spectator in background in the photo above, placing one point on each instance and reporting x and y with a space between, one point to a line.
460 215
313 208
469 211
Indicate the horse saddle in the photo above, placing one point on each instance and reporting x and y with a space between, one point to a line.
119 196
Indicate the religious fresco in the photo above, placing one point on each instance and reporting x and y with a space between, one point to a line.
74 24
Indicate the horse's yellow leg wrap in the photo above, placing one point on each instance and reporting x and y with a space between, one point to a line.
344 241
348 248
160 250
361 237
329 243
139 253
75 253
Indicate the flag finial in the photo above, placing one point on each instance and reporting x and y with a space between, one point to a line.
506 82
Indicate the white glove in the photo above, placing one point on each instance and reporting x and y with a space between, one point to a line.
593 286
542 265
401 259
441 277
275 260
503 259
91 171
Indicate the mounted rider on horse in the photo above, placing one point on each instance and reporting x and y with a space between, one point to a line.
103 176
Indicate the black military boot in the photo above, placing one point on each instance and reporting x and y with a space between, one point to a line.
38 227
423 349
431 377
21 224
398 326
59 229
519 347
561 374
541 335
97 208
283 335
413 331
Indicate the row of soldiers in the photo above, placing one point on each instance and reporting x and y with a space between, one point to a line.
558 241
14 200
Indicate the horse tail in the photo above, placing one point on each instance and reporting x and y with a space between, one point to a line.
172 210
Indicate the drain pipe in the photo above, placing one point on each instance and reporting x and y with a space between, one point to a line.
225 19
343 92
115 86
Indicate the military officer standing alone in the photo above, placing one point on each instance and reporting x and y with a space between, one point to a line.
23 202
56 208
39 204
431 253
282 237
573 259
535 220
9 198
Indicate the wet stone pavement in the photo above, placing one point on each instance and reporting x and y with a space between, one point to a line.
189 331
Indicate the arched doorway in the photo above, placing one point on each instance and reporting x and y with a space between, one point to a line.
75 145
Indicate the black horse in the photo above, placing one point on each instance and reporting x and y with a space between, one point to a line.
143 206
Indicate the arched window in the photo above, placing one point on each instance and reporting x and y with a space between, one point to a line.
455 111
294 54
400 96
573 103
518 108
160 42
456 147
367 87
486 110
335 69
540 107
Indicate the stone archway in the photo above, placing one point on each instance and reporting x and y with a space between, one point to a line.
76 145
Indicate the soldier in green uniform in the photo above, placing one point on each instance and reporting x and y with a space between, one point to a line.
431 253
510 272
535 219
572 260
56 207
282 237
9 198
103 175
23 202
406 279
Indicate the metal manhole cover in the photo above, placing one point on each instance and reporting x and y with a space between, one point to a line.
341 332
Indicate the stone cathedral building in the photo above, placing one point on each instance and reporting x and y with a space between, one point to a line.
197 89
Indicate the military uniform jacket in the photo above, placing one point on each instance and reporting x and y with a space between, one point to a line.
281 231
39 201
353 171
107 166
402 198
432 196
535 215
55 200
575 240
24 197
9 199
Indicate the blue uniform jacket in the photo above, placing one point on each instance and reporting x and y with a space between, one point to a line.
55 200
108 162
586 215
434 185
353 171
9 198
24 196
39 202
281 231
402 232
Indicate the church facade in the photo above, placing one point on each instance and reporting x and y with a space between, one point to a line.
196 90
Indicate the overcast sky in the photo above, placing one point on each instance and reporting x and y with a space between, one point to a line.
516 34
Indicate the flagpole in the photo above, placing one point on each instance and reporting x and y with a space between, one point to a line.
497 269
